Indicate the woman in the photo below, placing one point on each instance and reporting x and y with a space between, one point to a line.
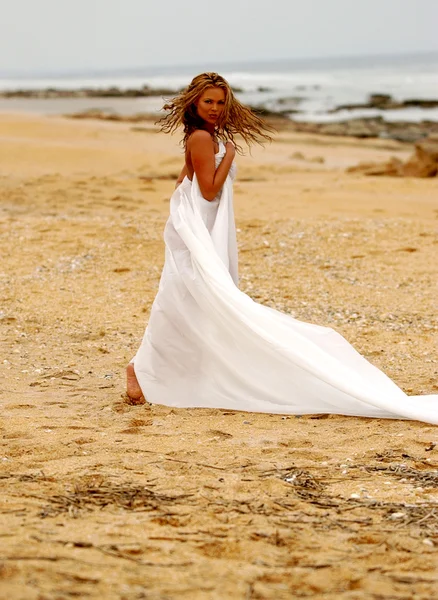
207 343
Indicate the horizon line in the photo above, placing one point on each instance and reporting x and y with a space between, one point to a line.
101 70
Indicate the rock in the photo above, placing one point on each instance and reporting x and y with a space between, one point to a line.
370 127
420 103
362 128
94 113
392 168
333 129
386 102
292 100
264 112
111 92
410 135
424 163
379 100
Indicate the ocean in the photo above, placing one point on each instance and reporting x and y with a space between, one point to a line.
311 87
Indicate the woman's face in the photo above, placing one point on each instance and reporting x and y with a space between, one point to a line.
211 104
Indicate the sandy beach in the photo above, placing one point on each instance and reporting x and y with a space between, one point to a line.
105 500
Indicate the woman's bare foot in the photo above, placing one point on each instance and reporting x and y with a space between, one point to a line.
133 390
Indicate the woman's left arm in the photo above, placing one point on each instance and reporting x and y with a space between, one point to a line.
181 176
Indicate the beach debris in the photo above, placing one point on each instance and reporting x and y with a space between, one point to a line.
93 495
428 479
397 515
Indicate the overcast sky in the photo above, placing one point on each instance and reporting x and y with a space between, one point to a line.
54 35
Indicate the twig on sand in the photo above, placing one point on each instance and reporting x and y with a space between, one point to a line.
196 463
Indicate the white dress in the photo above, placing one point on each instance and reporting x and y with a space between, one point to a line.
207 344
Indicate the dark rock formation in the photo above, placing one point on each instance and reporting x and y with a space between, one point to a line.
264 112
291 100
375 127
111 92
360 128
386 102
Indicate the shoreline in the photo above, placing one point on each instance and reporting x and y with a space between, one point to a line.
134 108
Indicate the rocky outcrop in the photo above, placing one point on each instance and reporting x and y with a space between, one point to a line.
376 127
283 118
267 113
423 163
111 92
365 127
360 128
108 115
386 102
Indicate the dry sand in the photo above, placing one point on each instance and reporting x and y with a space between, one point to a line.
104 500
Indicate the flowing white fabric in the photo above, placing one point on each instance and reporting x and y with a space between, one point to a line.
207 344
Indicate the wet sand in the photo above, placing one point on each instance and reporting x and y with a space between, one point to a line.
105 500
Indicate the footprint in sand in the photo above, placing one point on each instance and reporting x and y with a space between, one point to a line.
135 425
66 374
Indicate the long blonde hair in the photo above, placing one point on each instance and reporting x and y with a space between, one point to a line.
236 118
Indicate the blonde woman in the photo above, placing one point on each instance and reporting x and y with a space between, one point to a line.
208 344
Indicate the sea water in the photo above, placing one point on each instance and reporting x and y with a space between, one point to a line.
311 88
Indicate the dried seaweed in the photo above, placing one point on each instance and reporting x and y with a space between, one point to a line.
398 514
126 496
92 493
401 471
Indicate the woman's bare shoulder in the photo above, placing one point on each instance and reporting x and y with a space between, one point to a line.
200 139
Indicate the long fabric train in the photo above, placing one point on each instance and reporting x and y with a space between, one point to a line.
208 344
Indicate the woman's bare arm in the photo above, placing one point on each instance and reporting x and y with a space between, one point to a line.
181 176
202 156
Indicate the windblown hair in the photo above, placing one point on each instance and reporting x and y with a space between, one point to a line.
236 118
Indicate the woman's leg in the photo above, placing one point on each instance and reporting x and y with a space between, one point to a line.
133 390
